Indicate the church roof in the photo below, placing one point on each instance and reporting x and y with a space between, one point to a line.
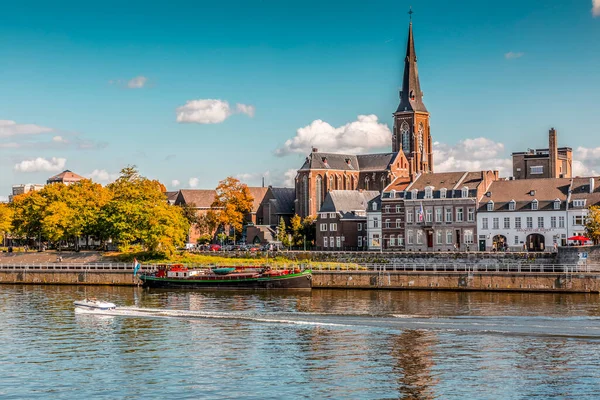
347 162
285 199
200 198
411 96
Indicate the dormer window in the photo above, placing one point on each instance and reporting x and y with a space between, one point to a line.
490 206
579 203
443 193
534 204
393 194
415 193
557 204
374 206
324 159
465 192
512 205
429 192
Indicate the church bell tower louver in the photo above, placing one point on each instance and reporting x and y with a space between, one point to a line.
412 133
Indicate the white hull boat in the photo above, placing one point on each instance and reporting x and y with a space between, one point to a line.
94 305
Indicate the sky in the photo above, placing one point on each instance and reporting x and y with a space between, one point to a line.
193 92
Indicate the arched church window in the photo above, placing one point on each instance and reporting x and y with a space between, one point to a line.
405 131
305 194
319 192
366 183
331 183
421 134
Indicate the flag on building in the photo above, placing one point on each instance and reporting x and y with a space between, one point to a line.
136 266
421 213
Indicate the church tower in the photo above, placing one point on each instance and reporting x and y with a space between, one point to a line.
412 134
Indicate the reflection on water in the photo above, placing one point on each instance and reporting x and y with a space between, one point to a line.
319 344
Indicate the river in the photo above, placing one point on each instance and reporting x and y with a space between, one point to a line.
298 344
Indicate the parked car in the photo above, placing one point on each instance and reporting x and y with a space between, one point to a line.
214 247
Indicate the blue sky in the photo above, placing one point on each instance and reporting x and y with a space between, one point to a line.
94 86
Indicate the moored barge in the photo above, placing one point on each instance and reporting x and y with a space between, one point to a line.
227 278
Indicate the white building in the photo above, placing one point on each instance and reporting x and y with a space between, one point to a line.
534 214
374 224
24 188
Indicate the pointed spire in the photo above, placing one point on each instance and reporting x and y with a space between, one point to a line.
411 96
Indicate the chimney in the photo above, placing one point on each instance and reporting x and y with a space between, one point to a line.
315 150
592 185
263 181
553 153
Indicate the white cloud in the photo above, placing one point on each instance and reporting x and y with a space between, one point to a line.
137 83
596 8
289 178
3 199
59 139
355 137
586 161
210 111
512 55
11 128
175 183
480 154
102 176
41 164
193 182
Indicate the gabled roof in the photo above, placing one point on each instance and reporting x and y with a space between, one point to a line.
200 198
525 191
347 201
375 162
258 194
285 198
376 200
399 184
65 176
349 162
581 191
171 196
439 180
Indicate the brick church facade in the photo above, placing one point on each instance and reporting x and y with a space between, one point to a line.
411 154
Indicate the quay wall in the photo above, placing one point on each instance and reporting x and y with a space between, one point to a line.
58 277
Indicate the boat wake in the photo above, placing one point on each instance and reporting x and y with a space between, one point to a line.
574 327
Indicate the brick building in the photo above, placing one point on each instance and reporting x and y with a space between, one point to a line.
342 220
66 177
553 162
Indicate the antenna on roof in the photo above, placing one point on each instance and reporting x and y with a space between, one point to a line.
263 181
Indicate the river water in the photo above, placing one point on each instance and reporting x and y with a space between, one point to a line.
298 344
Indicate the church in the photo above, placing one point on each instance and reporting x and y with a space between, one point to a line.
411 154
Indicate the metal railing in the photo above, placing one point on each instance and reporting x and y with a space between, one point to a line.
482 268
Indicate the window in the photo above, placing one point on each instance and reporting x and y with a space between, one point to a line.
359 225
400 241
323 227
409 237
429 192
332 215
392 192
468 236
387 209
428 215
561 222
388 223
578 220
506 222
516 240
517 222
490 206
324 242
319 192
438 214
405 132
360 241
448 237
459 214
552 222
557 204
496 223
578 203
448 214
398 209
398 223
439 237
331 241
443 192
333 227
484 223
471 214
374 206
419 237
534 205
540 222
465 193
512 205
392 241
415 194
537 170
338 241
409 216
529 222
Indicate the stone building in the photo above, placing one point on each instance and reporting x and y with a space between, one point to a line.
553 162
374 224
411 151
201 200
435 212
277 204
26 188
584 193
342 220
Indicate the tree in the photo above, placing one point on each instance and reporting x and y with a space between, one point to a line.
309 230
6 219
28 209
282 234
592 225
232 202
190 213
297 233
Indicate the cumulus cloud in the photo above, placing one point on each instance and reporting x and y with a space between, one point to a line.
289 178
137 83
512 55
480 154
193 182
210 111
175 183
355 137
596 8
59 139
586 161
11 128
102 176
53 164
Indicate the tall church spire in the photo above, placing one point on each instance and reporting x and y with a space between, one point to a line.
411 96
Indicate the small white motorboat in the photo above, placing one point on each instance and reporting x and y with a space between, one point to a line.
94 304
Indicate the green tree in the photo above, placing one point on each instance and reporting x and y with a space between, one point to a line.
28 209
282 234
592 225
297 234
309 230
232 202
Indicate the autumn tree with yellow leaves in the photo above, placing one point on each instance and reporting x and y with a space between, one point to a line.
592 225
232 201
